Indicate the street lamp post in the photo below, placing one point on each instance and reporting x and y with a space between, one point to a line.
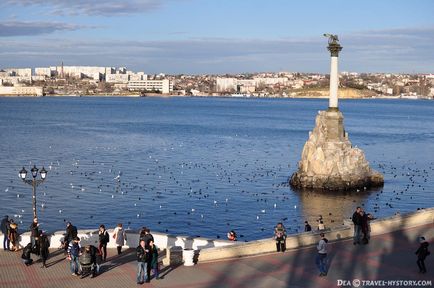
33 182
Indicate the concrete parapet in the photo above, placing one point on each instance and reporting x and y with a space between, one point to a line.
211 250
379 226
90 237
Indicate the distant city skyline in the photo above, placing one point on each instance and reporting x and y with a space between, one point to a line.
216 37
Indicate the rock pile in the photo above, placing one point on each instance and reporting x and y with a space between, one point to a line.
330 162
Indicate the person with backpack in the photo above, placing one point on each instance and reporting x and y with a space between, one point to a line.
74 251
421 253
280 237
321 257
104 238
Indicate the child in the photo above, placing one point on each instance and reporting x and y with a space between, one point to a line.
232 236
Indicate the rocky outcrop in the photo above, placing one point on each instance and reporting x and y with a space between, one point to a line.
329 161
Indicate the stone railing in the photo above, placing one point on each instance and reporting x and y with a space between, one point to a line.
378 227
211 250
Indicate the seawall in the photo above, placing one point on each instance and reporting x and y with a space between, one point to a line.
216 249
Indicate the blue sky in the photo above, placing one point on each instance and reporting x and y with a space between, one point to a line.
218 36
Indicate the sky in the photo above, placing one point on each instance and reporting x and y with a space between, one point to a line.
218 36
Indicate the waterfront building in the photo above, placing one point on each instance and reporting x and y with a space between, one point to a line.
21 91
164 86
237 85
117 78
93 72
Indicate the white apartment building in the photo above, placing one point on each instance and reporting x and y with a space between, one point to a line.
45 71
249 85
164 86
117 78
21 91
20 72
93 72
271 81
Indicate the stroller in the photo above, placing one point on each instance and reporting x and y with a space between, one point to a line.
86 264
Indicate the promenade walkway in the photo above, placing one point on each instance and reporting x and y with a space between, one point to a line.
387 257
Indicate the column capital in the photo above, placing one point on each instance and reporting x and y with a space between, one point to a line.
334 49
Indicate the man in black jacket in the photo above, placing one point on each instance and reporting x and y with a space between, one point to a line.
26 254
71 233
357 220
5 230
142 262
34 236
421 253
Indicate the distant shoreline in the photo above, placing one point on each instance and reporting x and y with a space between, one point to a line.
222 96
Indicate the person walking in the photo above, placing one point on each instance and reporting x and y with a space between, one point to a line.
44 245
421 253
280 237
13 235
357 221
120 237
73 251
104 238
321 257
142 261
5 231
34 235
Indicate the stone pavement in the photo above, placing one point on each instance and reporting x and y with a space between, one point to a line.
387 257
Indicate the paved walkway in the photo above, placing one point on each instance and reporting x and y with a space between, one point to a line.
387 257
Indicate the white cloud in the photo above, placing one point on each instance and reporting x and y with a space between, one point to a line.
93 7
368 51
23 28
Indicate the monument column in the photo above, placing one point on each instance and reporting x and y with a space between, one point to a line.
334 48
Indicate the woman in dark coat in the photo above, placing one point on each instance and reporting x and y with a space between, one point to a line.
104 238
421 253
44 244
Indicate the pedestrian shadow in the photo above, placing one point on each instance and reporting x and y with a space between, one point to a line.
166 270
125 257
54 262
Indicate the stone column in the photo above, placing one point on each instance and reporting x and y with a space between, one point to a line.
334 48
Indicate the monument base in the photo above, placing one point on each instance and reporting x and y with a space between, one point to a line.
330 162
